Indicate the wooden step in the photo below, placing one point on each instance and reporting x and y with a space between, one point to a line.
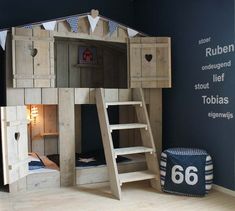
123 103
136 176
127 126
132 150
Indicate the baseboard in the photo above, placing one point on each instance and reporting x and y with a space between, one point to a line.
223 190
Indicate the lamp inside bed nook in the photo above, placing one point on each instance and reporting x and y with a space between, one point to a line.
34 114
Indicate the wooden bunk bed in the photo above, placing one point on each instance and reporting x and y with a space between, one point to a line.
45 68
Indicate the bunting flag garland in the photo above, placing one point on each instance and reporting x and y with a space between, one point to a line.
131 32
112 27
49 25
28 26
3 37
93 22
73 23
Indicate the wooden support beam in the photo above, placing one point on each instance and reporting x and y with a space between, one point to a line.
67 136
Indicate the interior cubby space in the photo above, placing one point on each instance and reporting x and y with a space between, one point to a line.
90 64
43 129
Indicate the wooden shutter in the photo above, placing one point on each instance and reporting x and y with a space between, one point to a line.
32 58
150 62
14 143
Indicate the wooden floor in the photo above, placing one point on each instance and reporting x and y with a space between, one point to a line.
136 196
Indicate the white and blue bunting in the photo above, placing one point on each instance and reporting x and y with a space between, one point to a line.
131 32
112 27
93 22
29 26
73 23
50 25
3 37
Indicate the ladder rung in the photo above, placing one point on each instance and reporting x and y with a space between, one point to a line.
127 126
136 176
132 150
123 103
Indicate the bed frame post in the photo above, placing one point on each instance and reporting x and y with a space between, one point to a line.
67 136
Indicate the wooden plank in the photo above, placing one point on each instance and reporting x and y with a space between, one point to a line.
123 103
78 129
62 72
15 97
155 118
74 72
43 180
128 126
107 143
22 58
49 96
14 144
37 128
33 96
67 136
136 176
82 95
124 94
50 127
134 62
92 98
132 150
111 95
42 60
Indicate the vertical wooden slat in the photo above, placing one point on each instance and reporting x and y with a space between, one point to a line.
37 128
135 62
74 72
50 126
62 73
42 61
78 130
155 117
67 136
23 61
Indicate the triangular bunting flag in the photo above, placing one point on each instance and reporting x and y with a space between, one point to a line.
93 22
73 22
131 32
3 37
49 25
28 26
112 26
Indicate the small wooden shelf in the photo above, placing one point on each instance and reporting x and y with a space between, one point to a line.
89 65
50 134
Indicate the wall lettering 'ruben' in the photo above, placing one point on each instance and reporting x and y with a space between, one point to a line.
214 76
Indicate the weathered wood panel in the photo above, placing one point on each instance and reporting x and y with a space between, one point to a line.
67 136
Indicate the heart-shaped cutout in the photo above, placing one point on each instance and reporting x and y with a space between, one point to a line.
148 57
94 13
17 136
34 52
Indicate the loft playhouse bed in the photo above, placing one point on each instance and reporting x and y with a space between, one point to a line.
53 75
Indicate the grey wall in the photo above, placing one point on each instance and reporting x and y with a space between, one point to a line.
185 117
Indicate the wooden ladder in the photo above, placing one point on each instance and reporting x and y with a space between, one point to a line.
111 153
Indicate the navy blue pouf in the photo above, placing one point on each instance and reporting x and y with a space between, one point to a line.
186 171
